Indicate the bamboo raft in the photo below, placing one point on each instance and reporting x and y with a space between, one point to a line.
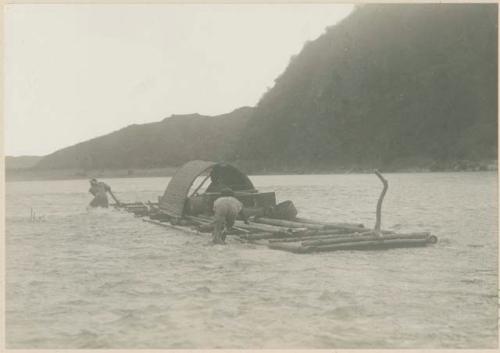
280 231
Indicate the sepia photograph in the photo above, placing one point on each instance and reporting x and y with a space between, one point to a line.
250 176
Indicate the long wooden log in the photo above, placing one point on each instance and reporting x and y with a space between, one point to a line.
288 224
330 224
314 232
255 228
258 236
315 237
339 232
132 209
287 236
278 223
346 226
186 229
168 225
135 208
368 245
333 231
241 230
321 235
311 235
127 204
365 237
304 238
260 227
267 228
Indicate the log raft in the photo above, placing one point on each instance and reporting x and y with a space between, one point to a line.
306 240
300 235
177 210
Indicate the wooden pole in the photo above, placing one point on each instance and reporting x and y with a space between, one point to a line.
266 228
379 203
252 227
258 236
366 237
114 198
314 234
288 224
367 245
168 225
328 224
310 237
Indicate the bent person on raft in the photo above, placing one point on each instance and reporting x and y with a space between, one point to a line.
226 209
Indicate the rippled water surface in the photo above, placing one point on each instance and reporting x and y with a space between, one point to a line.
105 279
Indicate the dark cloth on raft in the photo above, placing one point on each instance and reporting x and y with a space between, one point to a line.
99 190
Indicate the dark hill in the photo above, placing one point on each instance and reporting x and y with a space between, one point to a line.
397 85
390 83
169 142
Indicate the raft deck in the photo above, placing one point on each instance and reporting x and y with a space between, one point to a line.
299 236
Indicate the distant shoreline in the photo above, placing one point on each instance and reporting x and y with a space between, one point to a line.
13 175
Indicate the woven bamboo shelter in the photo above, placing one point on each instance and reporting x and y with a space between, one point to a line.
174 199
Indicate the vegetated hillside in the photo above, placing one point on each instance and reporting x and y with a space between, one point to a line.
391 84
170 142
21 162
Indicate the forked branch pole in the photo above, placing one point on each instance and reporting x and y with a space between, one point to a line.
380 199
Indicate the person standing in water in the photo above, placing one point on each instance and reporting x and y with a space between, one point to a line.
99 190
226 209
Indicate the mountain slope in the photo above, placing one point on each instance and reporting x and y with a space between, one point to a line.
169 142
21 162
390 86
389 83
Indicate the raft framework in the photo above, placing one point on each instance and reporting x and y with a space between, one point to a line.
183 207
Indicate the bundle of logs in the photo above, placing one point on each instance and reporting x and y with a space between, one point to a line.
304 235
297 235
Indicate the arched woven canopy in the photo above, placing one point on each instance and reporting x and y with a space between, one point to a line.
173 200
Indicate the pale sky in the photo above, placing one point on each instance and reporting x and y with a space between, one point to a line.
74 72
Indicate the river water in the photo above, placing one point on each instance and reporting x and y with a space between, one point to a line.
105 279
